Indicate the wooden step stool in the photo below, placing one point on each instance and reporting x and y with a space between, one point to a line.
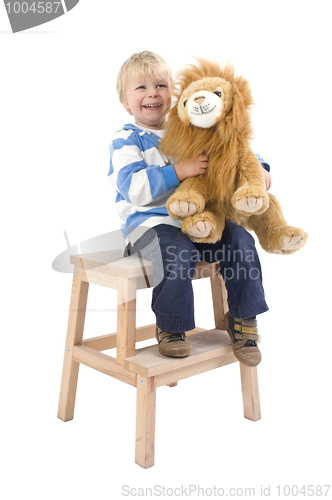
145 368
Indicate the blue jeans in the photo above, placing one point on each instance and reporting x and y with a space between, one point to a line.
173 299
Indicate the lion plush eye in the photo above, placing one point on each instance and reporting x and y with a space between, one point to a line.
184 103
217 93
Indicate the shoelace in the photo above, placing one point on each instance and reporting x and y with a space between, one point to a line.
170 337
176 336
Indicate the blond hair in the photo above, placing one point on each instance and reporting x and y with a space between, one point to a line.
142 64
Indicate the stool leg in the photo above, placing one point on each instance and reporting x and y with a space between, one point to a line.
74 337
219 298
145 422
126 330
250 393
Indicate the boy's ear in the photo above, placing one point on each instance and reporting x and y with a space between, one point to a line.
125 103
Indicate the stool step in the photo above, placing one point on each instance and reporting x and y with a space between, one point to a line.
210 349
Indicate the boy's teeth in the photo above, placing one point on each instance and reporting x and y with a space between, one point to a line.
151 105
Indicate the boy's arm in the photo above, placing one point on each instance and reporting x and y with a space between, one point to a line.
136 181
266 172
264 164
267 179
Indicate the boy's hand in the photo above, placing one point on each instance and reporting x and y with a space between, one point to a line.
267 179
191 167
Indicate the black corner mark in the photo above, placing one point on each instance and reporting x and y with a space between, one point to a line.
26 14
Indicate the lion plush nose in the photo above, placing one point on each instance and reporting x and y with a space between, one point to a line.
199 100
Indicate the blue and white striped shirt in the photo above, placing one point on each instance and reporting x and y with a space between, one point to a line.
143 178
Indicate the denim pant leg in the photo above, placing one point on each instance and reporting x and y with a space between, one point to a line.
240 269
173 299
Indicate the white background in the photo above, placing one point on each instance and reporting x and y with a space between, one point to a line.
57 113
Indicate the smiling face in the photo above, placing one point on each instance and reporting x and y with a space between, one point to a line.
148 100
204 102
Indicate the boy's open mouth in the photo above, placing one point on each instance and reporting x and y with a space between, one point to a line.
151 106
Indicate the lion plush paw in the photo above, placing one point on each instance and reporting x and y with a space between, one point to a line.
293 242
247 202
286 240
203 227
183 208
185 203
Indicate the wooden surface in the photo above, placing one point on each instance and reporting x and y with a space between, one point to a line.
126 319
250 392
145 422
75 329
146 369
103 363
112 263
219 299
206 346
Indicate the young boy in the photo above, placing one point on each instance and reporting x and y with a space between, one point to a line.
144 179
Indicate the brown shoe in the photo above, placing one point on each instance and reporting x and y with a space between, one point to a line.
244 337
172 344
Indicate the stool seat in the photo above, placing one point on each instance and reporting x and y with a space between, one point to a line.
144 368
112 264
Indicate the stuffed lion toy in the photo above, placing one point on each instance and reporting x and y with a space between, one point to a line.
211 115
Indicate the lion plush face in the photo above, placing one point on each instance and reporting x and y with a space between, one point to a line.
204 102
211 109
